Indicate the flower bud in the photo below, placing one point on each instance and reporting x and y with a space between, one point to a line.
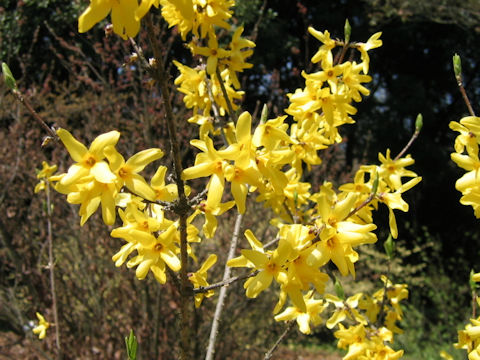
419 123
347 31
457 66
8 77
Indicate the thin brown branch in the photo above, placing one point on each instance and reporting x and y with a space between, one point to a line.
410 142
464 95
20 98
282 337
225 282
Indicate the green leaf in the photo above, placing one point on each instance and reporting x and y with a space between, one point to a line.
8 77
375 184
131 343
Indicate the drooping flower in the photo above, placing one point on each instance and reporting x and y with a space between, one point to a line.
42 327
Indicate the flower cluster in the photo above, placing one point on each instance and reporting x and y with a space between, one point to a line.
466 157
469 337
375 319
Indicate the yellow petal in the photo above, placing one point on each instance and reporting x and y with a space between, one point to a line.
74 147
102 173
171 260
139 186
123 18
143 268
102 141
141 159
96 12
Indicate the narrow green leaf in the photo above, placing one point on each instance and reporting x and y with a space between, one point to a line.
131 343
339 289
389 246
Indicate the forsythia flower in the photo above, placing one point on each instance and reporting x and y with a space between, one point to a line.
199 279
304 317
44 176
89 181
42 327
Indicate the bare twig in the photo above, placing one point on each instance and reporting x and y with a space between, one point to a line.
410 142
464 94
223 291
226 282
51 267
20 98
270 352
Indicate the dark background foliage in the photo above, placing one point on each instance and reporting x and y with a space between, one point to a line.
79 81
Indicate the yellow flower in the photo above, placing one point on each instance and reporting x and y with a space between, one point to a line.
199 279
212 52
311 314
44 175
123 17
155 253
164 192
344 309
392 170
372 43
338 235
88 161
210 13
89 181
270 264
127 172
237 55
324 53
41 328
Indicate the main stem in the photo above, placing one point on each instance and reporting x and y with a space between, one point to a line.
183 207
223 291
51 267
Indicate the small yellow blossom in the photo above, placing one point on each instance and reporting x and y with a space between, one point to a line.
199 279
44 175
42 327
